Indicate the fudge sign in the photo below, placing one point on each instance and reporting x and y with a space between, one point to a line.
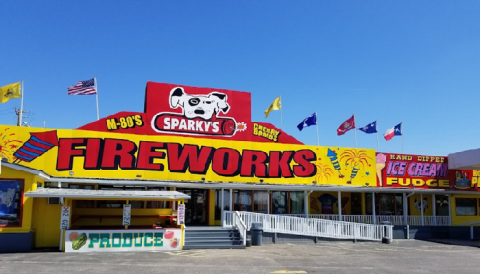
201 115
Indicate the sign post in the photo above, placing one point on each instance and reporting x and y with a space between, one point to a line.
64 222
181 214
127 209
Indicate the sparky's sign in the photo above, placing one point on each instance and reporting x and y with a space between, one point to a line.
90 154
196 112
200 114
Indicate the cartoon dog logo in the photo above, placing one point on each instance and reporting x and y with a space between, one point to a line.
421 204
202 106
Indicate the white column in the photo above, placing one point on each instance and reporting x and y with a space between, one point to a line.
174 204
405 208
222 205
305 202
449 209
373 209
421 207
434 205
340 206
268 204
231 199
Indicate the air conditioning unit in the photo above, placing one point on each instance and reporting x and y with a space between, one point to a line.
53 200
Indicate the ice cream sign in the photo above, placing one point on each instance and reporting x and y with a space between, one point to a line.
402 170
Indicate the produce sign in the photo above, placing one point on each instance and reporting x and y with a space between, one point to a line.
122 240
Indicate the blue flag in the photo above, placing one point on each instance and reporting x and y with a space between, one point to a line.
370 128
309 121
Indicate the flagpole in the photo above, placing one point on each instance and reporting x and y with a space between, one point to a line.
281 107
376 126
96 96
355 130
21 107
402 135
318 139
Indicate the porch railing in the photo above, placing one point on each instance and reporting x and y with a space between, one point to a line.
310 226
368 219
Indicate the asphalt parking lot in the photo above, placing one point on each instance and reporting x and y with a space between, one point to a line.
404 256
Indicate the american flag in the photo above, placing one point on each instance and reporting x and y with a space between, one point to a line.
83 88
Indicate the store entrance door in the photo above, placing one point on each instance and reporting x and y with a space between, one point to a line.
196 208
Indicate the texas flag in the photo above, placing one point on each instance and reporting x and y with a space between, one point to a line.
391 132
346 126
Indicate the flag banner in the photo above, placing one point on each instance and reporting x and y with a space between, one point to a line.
11 91
83 88
370 128
392 132
346 126
276 105
309 121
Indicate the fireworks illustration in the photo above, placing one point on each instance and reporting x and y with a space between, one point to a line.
37 145
8 144
333 158
356 159
323 172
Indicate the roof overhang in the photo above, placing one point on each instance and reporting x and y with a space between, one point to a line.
252 186
106 194
38 173
465 160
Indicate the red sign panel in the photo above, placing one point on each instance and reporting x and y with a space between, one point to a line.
418 171
413 171
196 112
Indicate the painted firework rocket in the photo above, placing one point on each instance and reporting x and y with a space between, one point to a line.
37 145
333 158
355 158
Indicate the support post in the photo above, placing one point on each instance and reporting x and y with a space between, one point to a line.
339 201
268 204
222 206
421 207
305 203
231 200
405 208
449 210
434 206
373 209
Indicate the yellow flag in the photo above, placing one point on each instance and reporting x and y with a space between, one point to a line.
276 105
10 92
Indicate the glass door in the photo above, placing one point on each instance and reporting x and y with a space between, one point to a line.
196 207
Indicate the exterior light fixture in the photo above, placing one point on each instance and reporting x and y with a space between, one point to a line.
314 182
71 172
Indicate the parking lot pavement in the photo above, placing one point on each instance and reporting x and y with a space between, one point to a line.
403 256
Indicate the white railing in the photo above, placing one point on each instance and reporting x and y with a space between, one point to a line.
311 226
394 219
239 224
368 219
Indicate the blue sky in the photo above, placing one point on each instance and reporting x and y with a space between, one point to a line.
416 62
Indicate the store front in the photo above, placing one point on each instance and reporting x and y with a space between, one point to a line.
222 161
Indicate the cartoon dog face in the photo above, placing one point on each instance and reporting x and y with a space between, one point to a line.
421 204
203 106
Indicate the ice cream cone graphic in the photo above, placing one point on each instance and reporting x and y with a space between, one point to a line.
381 163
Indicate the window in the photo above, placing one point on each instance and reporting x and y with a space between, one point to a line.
441 204
242 200
466 206
110 204
297 205
356 205
279 202
11 200
218 203
260 201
